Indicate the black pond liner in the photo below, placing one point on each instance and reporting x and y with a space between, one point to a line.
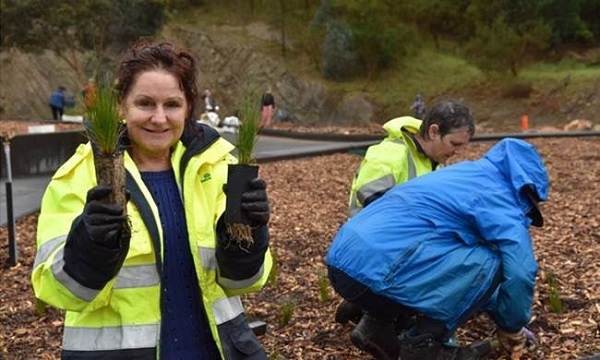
238 181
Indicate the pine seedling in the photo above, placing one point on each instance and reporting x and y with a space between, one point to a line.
556 305
246 139
324 294
287 311
248 129
104 130
103 127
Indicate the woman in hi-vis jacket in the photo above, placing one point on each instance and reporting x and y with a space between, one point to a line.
169 289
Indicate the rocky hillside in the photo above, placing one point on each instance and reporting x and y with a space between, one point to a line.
227 66
28 79
232 57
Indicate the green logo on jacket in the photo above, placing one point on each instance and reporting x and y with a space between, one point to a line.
205 177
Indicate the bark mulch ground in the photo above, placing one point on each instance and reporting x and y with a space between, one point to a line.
309 199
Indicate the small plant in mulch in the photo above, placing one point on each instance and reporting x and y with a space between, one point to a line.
286 313
239 175
556 305
104 130
324 294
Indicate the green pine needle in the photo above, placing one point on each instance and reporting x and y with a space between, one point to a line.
324 294
286 313
103 125
248 130
556 304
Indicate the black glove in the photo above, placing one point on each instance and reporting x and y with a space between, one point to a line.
98 242
255 203
103 221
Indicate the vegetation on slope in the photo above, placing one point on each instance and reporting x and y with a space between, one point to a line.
502 58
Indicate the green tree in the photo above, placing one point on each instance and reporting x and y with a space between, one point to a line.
291 17
377 38
338 57
501 47
565 16
589 15
68 26
508 34
375 43
440 18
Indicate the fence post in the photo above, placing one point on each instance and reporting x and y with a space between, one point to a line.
13 256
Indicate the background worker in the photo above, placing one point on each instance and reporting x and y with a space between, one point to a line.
445 254
412 148
267 102
88 93
210 105
56 101
170 287
418 107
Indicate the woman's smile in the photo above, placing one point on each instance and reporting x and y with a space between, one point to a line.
155 110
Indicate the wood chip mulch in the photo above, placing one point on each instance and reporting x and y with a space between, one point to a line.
309 200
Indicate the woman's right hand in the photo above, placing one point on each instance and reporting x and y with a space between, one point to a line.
103 221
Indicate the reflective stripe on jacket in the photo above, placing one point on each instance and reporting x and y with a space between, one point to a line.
122 319
394 160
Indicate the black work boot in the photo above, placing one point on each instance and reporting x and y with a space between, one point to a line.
404 323
419 347
377 337
347 311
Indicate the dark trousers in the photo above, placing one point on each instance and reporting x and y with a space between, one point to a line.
384 308
57 112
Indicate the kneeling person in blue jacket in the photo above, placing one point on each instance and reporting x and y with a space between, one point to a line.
445 254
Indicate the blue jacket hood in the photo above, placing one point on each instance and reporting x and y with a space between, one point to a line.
520 162
523 166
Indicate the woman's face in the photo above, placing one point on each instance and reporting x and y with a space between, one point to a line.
155 109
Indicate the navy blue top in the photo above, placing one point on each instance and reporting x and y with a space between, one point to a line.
184 332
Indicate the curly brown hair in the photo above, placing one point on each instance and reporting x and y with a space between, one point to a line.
146 55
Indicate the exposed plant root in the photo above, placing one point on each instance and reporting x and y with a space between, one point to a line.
242 234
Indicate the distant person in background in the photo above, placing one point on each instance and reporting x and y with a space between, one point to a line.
210 104
88 93
210 115
57 103
267 104
418 107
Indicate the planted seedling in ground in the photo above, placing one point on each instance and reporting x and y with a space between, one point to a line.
556 305
287 311
324 294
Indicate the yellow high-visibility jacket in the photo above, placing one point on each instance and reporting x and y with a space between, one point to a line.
396 159
121 320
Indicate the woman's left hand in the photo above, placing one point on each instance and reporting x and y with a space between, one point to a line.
255 203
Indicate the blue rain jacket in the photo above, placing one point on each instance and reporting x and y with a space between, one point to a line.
434 243
57 99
